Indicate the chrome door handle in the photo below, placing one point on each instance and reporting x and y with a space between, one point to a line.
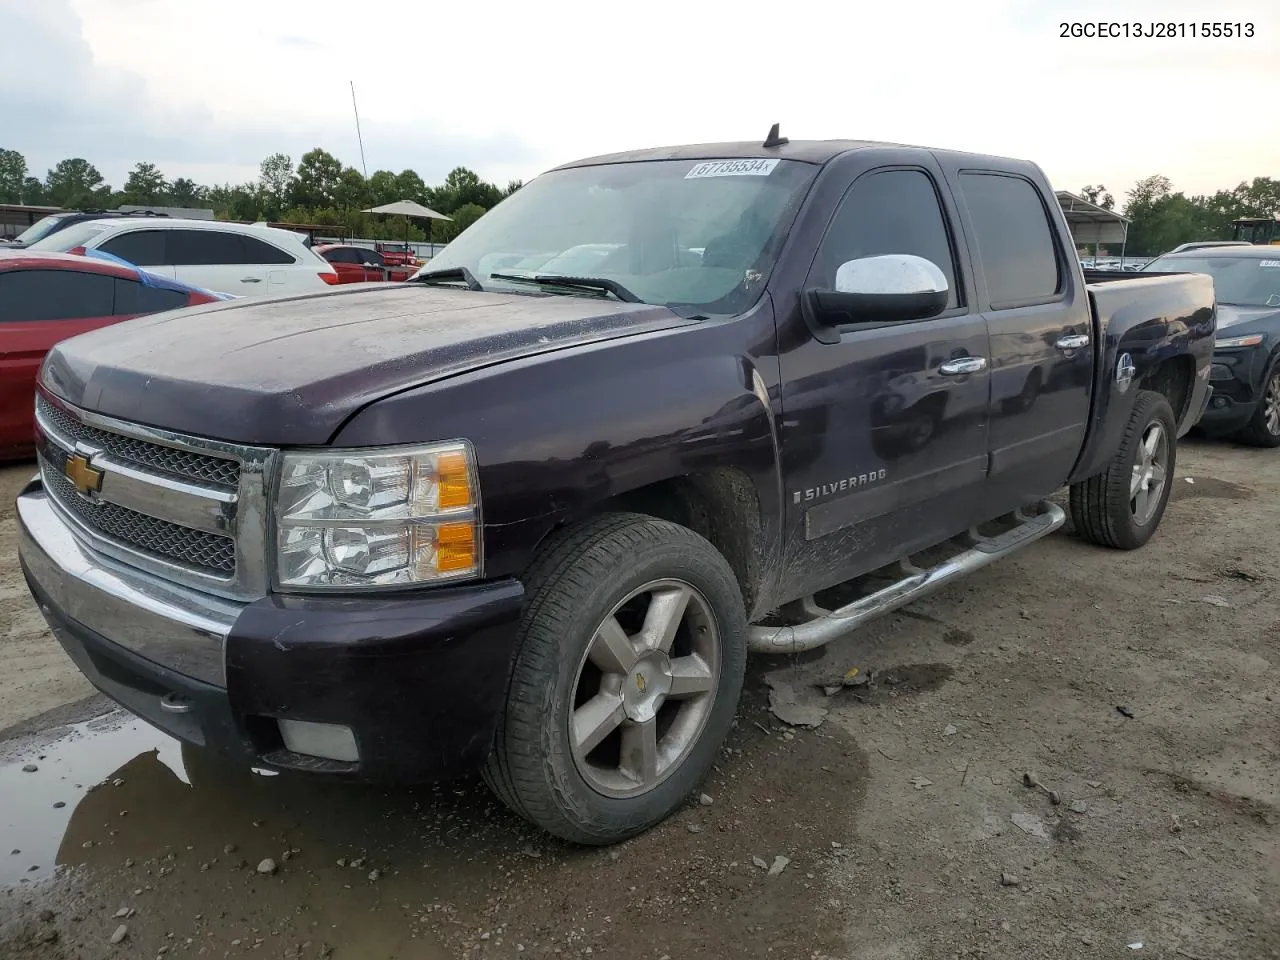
250 279
1072 341
955 368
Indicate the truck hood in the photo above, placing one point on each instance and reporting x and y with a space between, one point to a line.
291 370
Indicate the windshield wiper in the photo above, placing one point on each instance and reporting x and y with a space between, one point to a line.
446 274
585 283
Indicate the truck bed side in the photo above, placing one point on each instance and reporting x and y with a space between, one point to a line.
1165 324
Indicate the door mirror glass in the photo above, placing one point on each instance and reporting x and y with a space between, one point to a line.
892 288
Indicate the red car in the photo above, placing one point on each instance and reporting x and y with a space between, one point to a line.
48 297
360 264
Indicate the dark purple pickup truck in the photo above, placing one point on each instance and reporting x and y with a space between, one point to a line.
528 513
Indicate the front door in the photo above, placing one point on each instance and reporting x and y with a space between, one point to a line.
1042 350
885 431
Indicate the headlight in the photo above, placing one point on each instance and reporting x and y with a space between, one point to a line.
361 518
1250 341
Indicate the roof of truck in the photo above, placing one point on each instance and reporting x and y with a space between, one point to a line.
804 151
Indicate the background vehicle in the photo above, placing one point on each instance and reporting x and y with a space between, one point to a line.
398 255
360 264
1206 244
46 298
1259 230
48 226
530 523
242 259
1246 360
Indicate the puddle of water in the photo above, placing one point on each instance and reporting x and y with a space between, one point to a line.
413 872
67 770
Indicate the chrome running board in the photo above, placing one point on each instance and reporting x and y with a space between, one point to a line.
911 584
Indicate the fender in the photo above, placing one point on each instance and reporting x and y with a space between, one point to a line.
1151 321
559 434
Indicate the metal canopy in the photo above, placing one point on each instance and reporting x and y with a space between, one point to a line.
408 208
1090 223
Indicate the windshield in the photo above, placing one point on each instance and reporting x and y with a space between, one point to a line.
38 229
1237 281
698 236
77 235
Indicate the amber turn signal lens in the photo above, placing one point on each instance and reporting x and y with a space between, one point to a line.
454 480
455 547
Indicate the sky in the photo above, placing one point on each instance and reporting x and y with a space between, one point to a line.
510 88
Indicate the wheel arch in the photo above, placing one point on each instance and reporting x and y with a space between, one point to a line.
720 504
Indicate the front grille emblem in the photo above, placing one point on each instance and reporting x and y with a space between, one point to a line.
83 475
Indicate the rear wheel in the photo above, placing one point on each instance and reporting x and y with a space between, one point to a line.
1122 506
1263 428
627 677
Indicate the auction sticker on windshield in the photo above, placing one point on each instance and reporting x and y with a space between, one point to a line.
1271 263
732 168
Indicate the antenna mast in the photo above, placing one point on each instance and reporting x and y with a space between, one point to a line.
359 138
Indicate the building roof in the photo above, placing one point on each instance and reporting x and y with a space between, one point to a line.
1091 223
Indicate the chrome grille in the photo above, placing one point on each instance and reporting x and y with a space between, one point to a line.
183 508
214 471
207 552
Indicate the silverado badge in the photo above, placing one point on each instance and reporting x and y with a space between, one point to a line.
82 475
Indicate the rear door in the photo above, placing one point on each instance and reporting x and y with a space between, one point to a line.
1042 354
38 308
135 299
215 260
142 248
373 264
347 262
279 266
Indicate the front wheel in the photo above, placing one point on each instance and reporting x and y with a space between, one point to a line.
627 676
1122 506
1263 428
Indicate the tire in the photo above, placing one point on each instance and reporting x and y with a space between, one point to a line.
579 588
1105 509
1263 428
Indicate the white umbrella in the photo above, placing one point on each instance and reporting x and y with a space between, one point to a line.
407 209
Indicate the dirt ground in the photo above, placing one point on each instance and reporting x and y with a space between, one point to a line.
1140 688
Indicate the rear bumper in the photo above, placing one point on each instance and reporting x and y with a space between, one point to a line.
419 679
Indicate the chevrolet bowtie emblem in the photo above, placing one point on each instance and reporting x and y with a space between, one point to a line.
85 478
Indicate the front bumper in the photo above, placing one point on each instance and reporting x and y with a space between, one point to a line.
1236 377
419 678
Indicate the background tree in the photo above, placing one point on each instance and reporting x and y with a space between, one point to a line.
383 188
13 175
145 185
318 180
187 193
76 183
276 177
33 192
463 217
1098 195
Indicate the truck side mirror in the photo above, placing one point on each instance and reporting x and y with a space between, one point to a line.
893 288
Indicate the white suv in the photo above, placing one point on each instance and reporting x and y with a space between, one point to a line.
233 258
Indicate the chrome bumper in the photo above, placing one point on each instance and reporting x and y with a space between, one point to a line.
174 626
